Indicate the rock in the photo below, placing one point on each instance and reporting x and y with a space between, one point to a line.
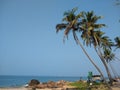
41 86
51 84
33 82
61 83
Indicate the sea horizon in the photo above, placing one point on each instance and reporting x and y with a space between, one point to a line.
22 80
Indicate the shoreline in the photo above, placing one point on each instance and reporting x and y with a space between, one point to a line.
51 85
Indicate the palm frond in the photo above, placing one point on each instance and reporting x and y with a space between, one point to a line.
108 55
67 30
99 25
60 27
67 13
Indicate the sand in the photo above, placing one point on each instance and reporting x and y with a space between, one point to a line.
27 89
22 88
115 88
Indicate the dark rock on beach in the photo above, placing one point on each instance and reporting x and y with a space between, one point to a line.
33 82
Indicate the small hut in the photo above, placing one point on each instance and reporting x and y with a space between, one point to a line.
96 78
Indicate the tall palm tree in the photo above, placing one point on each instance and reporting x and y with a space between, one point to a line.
109 56
73 23
117 46
92 35
104 43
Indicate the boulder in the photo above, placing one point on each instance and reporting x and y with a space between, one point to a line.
33 82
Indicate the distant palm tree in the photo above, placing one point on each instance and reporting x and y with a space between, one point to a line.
73 23
108 56
104 43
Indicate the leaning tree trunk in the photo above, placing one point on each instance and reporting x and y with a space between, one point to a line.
105 64
91 60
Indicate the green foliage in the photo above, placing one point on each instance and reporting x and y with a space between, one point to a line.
108 55
85 86
81 85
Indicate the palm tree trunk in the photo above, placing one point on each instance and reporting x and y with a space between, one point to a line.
91 60
94 65
105 64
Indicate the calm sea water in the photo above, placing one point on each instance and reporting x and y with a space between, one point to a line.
16 81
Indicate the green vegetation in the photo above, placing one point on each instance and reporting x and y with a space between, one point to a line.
81 85
86 86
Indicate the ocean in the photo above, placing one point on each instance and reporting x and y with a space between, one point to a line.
18 81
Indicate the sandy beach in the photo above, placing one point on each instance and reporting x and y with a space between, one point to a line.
23 88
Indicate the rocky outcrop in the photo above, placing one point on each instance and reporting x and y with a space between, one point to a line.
50 84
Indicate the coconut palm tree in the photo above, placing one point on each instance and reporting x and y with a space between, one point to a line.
73 23
103 43
92 35
108 56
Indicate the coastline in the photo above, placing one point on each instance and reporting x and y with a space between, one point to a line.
116 86
21 83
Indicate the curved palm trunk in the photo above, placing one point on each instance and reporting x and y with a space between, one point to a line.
78 42
94 64
91 60
105 64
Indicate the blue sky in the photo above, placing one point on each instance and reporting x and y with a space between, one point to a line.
29 44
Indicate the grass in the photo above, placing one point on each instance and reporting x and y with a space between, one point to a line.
80 84
86 86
